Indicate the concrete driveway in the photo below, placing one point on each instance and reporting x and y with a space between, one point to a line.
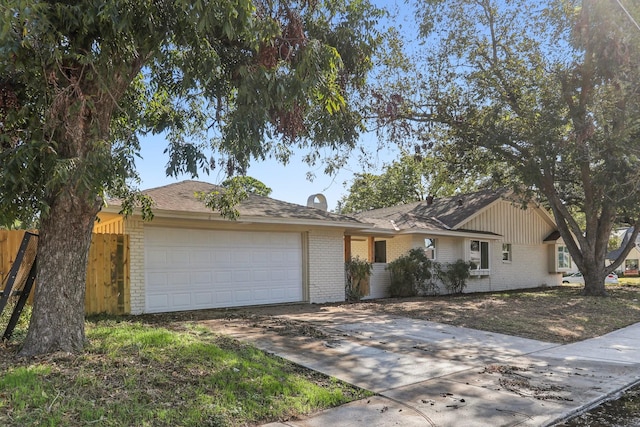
431 374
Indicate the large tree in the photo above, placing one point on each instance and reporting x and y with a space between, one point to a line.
551 90
410 178
81 80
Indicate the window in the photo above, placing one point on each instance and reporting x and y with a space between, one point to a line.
506 252
631 267
564 259
479 254
380 251
430 248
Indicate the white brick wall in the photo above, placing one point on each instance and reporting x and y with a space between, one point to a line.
326 266
134 227
399 246
529 268
360 249
379 282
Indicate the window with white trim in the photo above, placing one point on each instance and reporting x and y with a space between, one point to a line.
430 248
564 259
479 254
506 252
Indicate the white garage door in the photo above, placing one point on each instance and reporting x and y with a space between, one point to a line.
197 269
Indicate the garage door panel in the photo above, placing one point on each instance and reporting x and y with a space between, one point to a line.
262 276
225 298
178 257
220 257
157 302
243 296
200 258
260 257
178 278
181 300
201 278
222 277
156 257
194 269
241 276
203 299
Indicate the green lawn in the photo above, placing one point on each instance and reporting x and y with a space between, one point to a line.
138 374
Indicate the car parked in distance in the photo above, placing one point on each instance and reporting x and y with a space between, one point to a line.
577 278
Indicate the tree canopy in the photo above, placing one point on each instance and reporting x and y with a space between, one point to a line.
548 89
411 178
80 81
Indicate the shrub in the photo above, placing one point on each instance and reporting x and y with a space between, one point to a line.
411 275
454 275
358 272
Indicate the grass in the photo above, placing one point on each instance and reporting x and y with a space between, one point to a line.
151 375
171 371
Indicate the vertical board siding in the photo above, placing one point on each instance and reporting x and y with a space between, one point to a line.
114 226
108 274
517 226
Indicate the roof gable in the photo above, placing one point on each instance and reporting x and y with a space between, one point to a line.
446 213
181 197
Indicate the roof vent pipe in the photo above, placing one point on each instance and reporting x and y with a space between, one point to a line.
429 200
317 201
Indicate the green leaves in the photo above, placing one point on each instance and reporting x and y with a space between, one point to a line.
409 179
80 81
543 93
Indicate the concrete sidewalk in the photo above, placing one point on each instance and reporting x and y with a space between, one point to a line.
430 374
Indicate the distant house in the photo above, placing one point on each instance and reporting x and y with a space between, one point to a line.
511 247
630 265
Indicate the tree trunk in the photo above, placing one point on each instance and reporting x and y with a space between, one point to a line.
593 281
57 320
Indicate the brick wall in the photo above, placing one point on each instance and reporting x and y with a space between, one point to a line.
326 266
360 248
529 268
379 282
135 229
398 246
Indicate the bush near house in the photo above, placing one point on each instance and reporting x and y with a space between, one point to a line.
454 275
411 275
357 272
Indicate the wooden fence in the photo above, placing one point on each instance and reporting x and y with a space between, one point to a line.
107 270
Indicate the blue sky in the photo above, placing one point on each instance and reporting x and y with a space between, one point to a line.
288 182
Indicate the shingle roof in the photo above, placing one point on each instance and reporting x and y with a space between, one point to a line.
614 254
180 197
442 214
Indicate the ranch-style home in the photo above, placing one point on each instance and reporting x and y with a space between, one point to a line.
189 257
511 247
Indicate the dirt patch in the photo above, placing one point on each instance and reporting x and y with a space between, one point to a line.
558 315
526 383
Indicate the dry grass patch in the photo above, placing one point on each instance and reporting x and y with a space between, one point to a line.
559 315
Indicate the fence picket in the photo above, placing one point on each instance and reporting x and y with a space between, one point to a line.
107 270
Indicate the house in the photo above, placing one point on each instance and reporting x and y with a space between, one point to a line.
189 257
511 247
630 265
